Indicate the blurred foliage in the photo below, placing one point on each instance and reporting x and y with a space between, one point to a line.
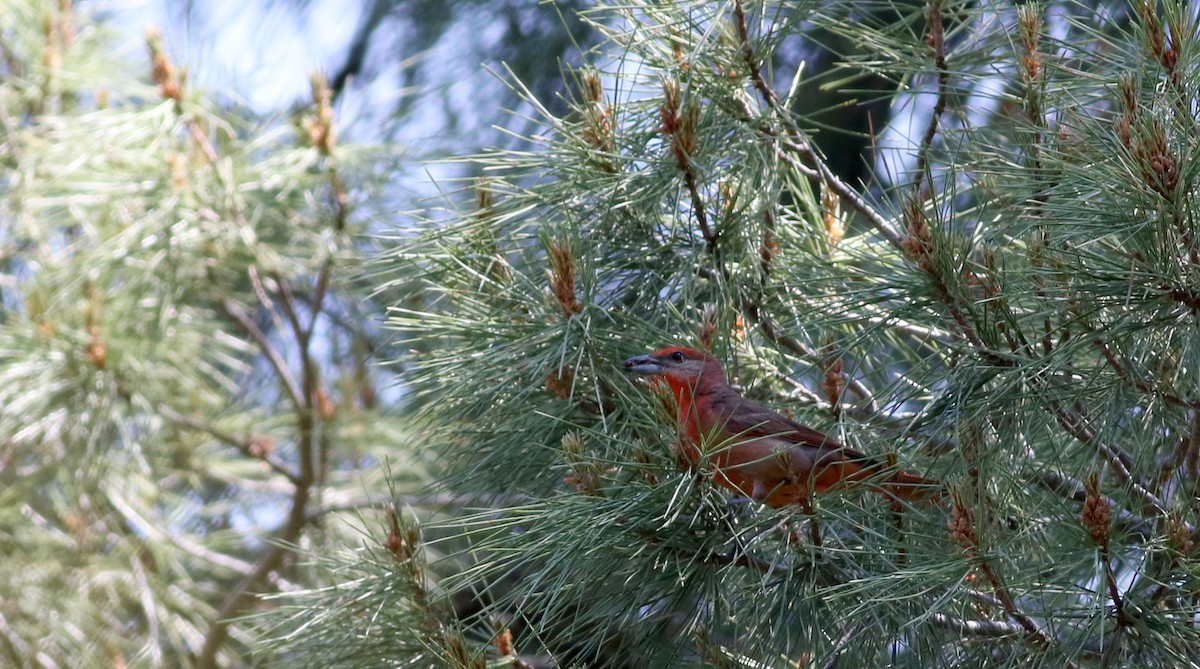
187 364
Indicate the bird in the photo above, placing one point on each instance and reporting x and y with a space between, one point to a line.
757 452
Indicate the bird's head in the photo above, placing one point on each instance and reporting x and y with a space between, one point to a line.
681 367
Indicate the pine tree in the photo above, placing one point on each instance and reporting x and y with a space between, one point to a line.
1010 307
186 381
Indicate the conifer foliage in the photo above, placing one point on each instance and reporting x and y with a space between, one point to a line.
185 382
1010 307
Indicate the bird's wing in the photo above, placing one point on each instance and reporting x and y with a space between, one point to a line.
747 419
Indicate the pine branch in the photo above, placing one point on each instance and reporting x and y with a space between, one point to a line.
794 140
247 445
268 562
1143 386
977 628
961 325
754 314
268 349
309 399
308 475
139 522
936 39
962 532
732 558
1118 460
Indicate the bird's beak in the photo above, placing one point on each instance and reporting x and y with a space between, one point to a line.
644 365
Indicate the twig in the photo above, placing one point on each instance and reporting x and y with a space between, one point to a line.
982 597
916 244
142 526
753 312
796 141
738 558
269 350
849 635
271 559
1118 460
710 238
289 531
751 59
800 391
1032 629
1029 22
245 445
318 298
1096 518
1189 456
896 511
793 161
679 117
202 140
1114 593
923 333
804 148
1142 386
814 528
987 628
302 400
923 185
288 300
149 608
962 532
937 40
896 422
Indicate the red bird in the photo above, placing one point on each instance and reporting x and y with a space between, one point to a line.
756 451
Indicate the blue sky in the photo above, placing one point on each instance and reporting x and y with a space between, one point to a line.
261 51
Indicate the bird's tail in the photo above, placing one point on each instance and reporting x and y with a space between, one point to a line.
913 488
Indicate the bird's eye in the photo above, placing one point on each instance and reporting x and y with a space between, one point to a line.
677 356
